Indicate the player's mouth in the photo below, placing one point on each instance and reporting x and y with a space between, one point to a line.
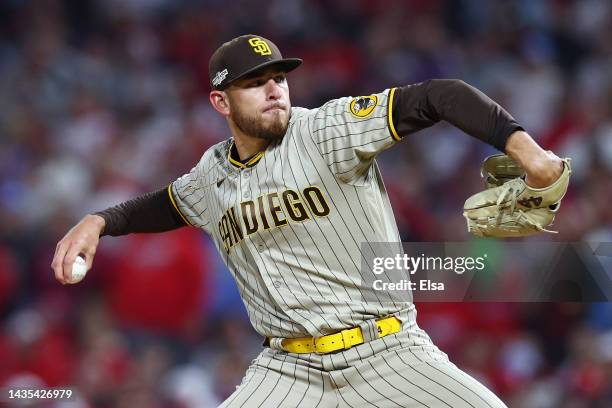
274 108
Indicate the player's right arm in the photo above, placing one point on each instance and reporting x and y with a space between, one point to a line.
175 206
151 212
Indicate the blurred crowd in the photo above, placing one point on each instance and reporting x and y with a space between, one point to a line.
103 100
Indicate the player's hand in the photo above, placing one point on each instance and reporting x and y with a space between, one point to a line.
545 171
83 239
542 168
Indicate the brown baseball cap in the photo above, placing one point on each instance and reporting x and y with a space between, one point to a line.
244 55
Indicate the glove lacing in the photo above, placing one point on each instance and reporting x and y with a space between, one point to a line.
509 189
527 218
512 192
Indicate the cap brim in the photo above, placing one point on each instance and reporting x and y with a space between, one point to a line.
285 65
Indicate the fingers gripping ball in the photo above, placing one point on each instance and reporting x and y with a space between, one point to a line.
508 207
79 270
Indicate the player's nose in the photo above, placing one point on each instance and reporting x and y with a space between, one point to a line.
273 90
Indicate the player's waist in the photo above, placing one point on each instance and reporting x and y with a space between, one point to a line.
342 340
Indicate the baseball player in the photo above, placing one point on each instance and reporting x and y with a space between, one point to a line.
291 201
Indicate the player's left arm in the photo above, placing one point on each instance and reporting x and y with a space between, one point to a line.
415 107
350 132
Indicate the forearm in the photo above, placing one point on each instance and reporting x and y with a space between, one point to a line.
421 105
151 212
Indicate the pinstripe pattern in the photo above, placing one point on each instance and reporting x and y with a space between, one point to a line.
294 229
401 370
303 278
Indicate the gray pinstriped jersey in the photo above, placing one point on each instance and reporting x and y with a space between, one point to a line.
293 228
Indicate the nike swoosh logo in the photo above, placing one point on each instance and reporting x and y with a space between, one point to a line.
220 181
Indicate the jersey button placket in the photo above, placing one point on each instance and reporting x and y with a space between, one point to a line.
246 188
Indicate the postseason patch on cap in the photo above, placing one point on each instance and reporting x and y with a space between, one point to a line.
219 77
363 106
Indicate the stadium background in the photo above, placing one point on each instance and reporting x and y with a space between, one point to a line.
103 100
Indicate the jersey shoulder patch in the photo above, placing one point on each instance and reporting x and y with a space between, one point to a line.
363 106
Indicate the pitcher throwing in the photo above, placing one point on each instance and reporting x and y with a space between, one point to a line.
292 200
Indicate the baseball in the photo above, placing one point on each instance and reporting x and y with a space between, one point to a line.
79 269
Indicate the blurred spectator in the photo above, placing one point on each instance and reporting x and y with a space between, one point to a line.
159 283
8 278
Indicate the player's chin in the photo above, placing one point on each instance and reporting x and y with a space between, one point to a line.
275 119
274 130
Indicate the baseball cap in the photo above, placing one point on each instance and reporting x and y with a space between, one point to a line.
244 55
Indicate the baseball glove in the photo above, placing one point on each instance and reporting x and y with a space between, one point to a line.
508 207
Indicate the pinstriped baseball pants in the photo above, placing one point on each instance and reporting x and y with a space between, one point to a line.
400 370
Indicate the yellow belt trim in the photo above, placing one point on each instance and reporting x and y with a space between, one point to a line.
343 340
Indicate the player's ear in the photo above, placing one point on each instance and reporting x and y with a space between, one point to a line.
219 101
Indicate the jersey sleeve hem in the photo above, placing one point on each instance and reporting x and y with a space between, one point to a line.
175 206
392 129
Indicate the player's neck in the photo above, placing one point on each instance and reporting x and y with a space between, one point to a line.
248 146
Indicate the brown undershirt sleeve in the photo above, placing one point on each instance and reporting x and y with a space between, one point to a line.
418 106
151 212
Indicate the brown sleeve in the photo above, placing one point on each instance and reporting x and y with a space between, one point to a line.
151 212
419 106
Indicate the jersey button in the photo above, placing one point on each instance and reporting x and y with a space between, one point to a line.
246 173
260 247
277 284
246 194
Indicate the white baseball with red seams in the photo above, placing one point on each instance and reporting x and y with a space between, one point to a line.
79 270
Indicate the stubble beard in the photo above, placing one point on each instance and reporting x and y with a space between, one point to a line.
256 126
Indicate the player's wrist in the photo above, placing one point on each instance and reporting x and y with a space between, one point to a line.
97 221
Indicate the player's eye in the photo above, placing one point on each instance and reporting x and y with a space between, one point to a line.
256 82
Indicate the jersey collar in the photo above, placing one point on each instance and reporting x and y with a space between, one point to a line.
232 157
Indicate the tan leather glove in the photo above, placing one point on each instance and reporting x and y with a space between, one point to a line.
508 207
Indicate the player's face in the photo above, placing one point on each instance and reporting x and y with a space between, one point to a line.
260 106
